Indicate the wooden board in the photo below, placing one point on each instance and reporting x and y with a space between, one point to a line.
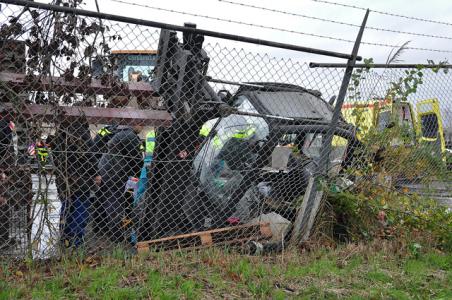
222 236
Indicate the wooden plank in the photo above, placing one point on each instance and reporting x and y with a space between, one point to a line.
94 115
144 249
202 232
22 83
221 236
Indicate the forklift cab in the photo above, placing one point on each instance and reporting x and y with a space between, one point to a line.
239 175
129 66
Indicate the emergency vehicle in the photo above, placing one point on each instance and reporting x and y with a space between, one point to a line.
423 120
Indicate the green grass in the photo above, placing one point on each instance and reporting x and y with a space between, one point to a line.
349 272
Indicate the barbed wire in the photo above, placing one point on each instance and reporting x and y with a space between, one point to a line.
278 28
335 21
230 20
384 12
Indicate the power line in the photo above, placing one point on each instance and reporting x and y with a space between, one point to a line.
178 28
232 21
335 21
276 28
384 12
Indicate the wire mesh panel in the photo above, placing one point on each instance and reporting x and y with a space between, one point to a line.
405 114
117 133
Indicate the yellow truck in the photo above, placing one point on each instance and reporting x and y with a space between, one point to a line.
430 126
425 122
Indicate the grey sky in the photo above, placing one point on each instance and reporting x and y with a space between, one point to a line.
440 10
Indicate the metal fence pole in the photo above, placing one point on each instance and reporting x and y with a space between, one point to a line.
313 196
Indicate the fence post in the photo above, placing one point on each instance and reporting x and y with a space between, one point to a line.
314 194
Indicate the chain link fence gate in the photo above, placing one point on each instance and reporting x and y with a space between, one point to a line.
104 142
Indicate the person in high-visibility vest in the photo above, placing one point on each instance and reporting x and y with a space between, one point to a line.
150 147
149 155
235 152
100 141
142 183
225 172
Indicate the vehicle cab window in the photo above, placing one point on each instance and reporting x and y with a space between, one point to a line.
384 118
405 116
230 151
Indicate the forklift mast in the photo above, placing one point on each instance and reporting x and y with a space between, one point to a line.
179 79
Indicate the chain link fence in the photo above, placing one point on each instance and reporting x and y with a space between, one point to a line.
104 142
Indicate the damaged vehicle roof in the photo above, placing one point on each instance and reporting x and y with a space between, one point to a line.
287 100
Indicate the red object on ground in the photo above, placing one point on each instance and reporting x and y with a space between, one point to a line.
233 220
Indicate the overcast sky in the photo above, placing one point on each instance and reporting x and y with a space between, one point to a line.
440 10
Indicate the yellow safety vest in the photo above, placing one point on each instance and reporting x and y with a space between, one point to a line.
239 134
244 133
205 130
104 131
42 152
150 142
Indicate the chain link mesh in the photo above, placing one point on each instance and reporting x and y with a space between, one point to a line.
216 145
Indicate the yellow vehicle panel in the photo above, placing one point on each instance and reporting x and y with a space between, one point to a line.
430 125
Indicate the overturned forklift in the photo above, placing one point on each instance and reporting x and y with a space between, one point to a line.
230 168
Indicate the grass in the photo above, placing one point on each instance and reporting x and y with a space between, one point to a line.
376 271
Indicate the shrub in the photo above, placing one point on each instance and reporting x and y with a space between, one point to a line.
373 211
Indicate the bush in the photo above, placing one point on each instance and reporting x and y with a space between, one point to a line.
373 211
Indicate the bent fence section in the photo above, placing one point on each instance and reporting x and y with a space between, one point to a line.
117 132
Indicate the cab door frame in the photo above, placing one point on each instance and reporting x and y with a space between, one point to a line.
431 107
